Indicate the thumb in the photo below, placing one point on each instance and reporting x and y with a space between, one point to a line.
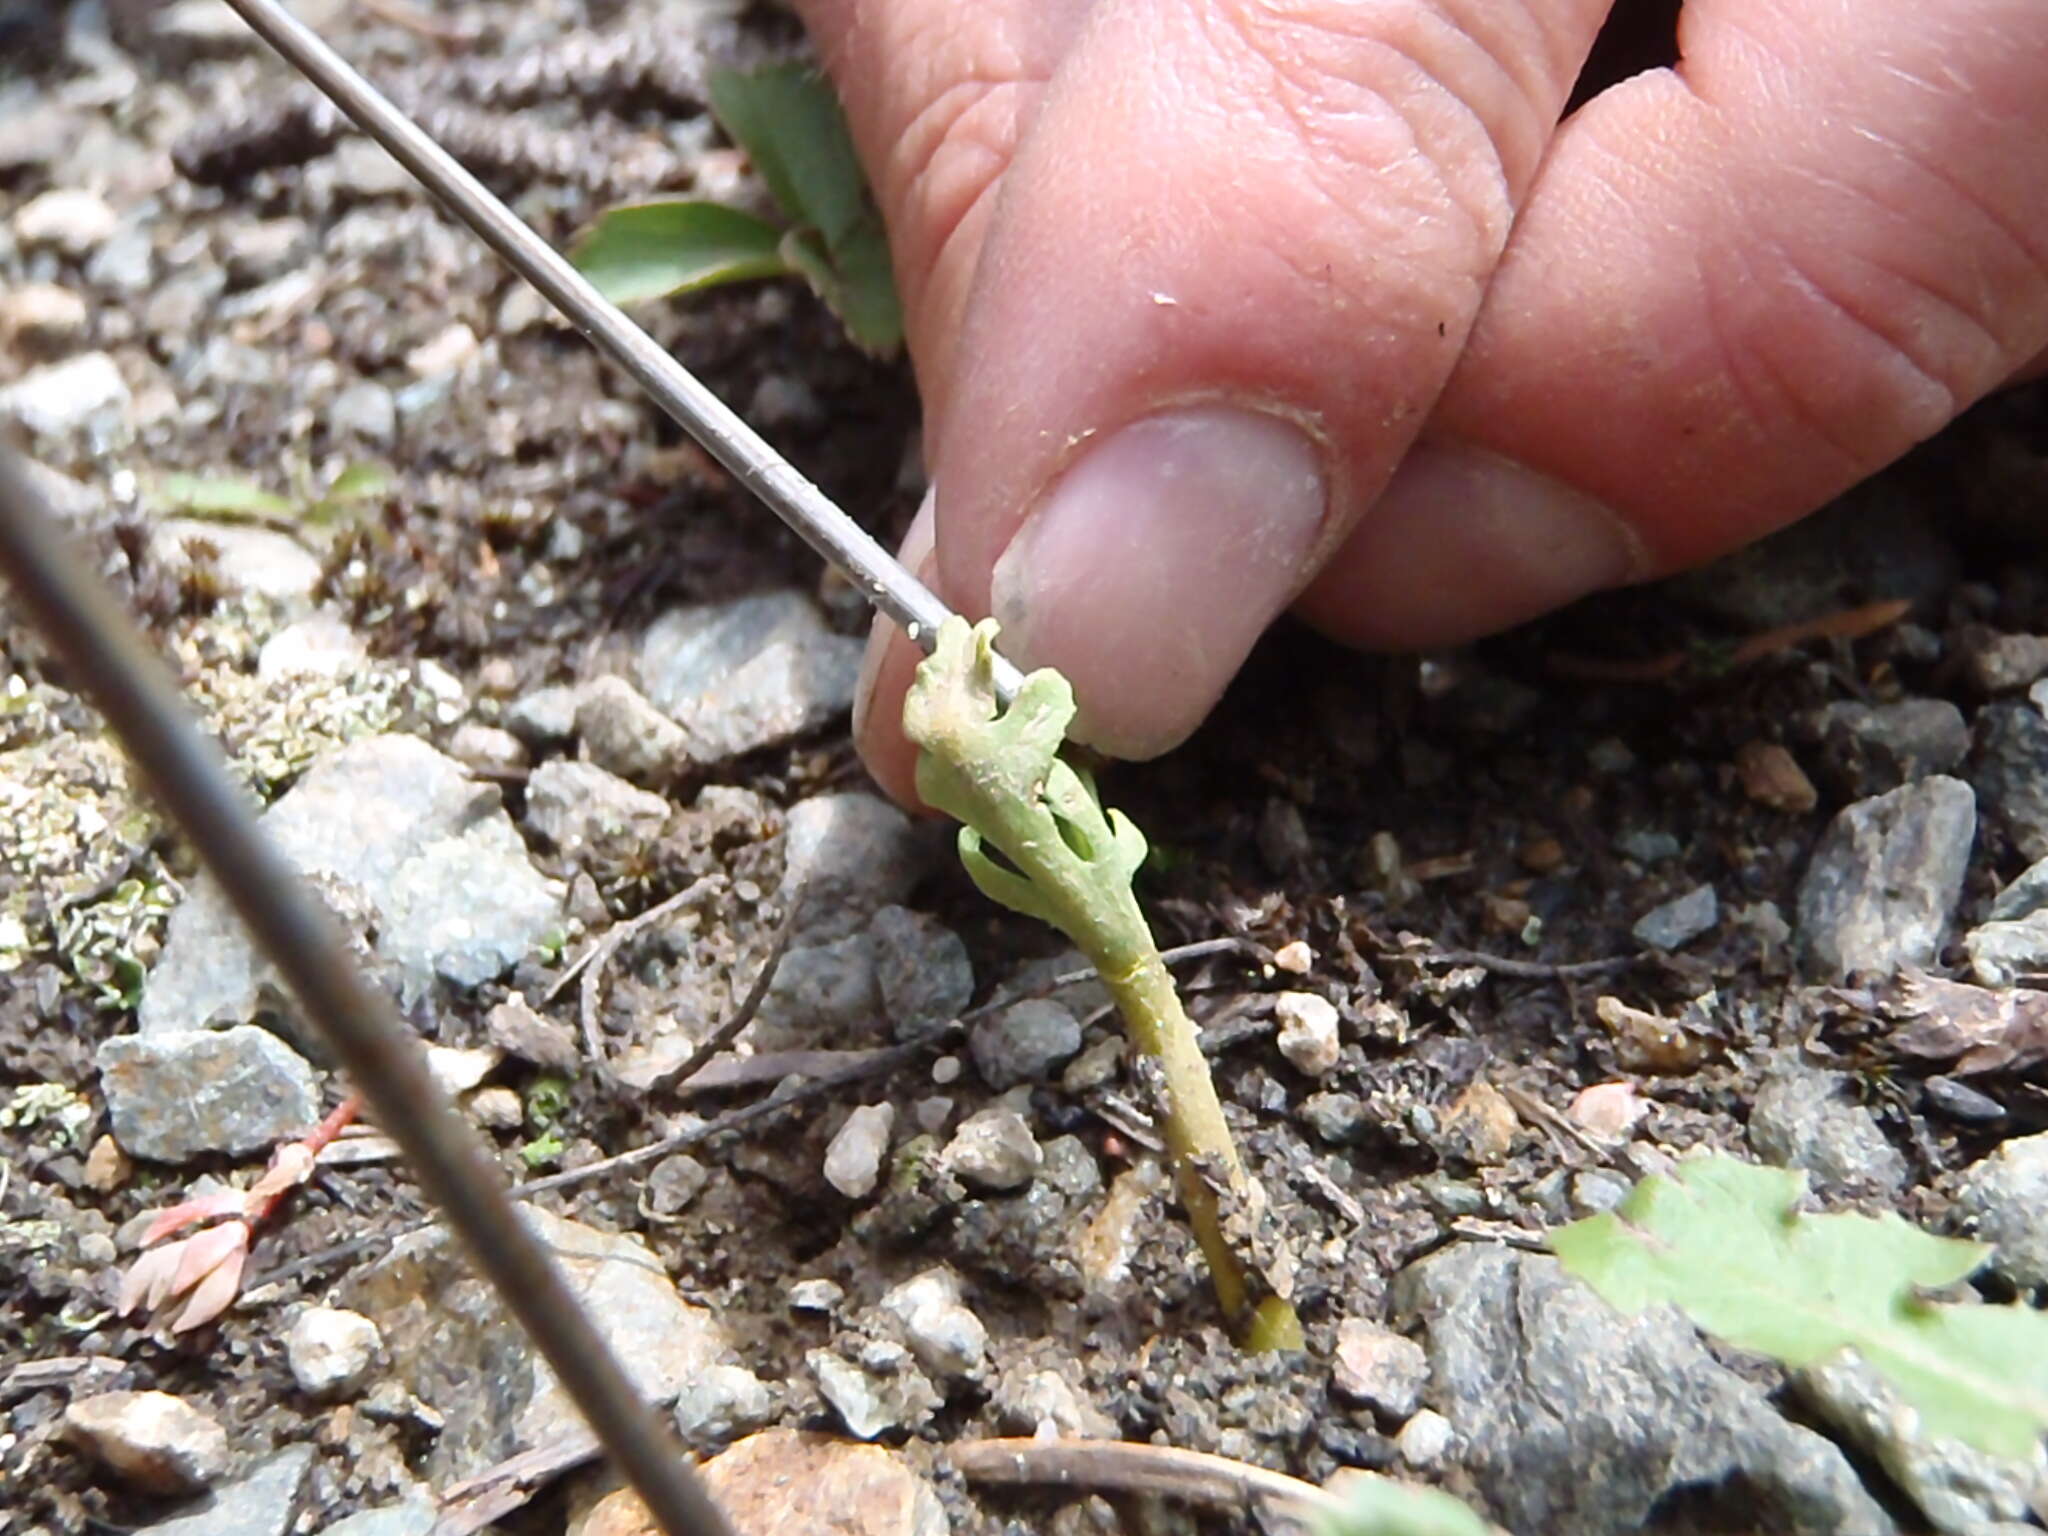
1196 317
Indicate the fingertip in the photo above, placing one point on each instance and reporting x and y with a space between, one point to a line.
887 668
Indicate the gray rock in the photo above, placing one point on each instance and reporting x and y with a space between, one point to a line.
2000 953
69 220
1679 921
2009 767
176 1094
994 1151
124 264
452 1344
1382 1369
1647 845
1024 1043
871 1401
518 1029
853 1158
592 816
427 851
2004 1200
1040 1402
922 969
331 1351
673 1183
414 1517
488 750
42 319
1960 1489
623 732
545 716
61 398
2024 896
2005 663
721 1404
943 1333
1870 748
853 854
319 645
748 674
1577 1419
151 1440
1803 1118
1885 879
265 1503
258 250
1338 1119
261 562
1309 1037
821 994
1426 1440
365 410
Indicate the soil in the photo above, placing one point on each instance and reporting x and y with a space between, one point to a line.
1493 804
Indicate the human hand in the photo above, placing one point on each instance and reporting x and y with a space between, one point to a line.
1221 307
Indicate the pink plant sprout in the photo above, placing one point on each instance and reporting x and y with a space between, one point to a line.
195 1278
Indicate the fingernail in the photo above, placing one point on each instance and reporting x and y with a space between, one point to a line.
1155 561
1463 543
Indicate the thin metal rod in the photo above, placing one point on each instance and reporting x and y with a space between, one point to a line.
880 577
108 660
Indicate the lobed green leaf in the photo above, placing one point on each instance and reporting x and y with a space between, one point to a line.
1723 1242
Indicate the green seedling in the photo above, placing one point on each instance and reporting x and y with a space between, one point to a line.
1036 838
313 507
1723 1242
789 123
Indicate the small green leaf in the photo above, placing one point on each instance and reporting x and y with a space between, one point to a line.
358 482
1723 1243
224 500
788 121
1379 1506
648 250
855 283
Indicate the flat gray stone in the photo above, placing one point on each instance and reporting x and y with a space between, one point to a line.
2000 953
178 1094
854 854
748 674
452 1344
1885 879
1575 1418
2009 767
404 837
2004 1200
265 1503
922 968
1679 921
414 1517
1961 1490
1025 1043
61 398
1870 748
625 733
1804 1118
591 815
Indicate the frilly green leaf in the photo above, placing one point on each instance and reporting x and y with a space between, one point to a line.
1722 1241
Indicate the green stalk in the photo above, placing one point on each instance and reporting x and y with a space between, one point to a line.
1069 862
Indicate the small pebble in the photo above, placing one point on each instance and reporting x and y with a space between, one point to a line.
815 1295
1024 1043
1308 1032
941 1330
70 220
946 1070
1426 1440
1772 777
1480 1126
994 1151
331 1351
1295 958
853 1159
152 1440
1679 921
674 1182
496 1108
1608 1109
1379 1368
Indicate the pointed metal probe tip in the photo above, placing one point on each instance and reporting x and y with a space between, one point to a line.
874 572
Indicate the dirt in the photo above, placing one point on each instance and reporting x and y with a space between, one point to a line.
1386 812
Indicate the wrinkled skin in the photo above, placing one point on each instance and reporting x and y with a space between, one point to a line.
1220 307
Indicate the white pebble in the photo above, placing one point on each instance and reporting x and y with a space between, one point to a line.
1308 1032
853 1160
